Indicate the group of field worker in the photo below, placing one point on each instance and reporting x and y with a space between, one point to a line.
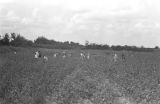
83 55
38 55
115 57
64 54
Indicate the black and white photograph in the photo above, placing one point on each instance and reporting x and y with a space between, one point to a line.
79 51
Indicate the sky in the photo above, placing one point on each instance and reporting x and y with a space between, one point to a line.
112 22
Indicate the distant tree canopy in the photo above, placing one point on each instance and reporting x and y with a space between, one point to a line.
5 39
14 39
131 48
116 48
156 47
21 41
96 46
44 42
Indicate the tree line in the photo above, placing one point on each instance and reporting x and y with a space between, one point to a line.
17 40
14 39
119 47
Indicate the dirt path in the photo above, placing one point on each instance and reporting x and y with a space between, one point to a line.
87 85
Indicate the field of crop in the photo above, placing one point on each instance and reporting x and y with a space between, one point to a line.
72 80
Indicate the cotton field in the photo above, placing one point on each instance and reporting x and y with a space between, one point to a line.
78 76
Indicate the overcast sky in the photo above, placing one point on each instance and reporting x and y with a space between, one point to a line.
131 22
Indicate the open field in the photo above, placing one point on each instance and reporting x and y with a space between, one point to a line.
72 80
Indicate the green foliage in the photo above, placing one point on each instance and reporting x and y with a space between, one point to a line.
13 36
15 40
156 47
46 43
20 41
42 42
5 40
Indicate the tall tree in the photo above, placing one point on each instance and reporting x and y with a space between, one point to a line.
13 36
5 40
